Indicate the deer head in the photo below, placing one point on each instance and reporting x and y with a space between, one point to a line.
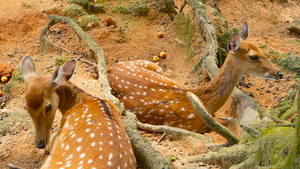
41 101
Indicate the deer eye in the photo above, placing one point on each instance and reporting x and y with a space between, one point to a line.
253 57
48 108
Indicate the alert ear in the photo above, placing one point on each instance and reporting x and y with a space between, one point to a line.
64 73
28 67
244 31
234 43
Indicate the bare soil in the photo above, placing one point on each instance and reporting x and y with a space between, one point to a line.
21 23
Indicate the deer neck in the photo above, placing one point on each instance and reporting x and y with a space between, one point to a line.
69 96
215 94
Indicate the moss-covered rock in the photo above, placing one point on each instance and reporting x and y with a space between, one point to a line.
141 9
89 6
78 2
122 9
97 8
88 21
73 11
291 62
295 26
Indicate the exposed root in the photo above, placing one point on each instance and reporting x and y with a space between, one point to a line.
146 155
171 130
226 156
204 23
209 120
253 132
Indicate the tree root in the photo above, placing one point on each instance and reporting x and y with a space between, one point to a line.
226 156
204 23
171 130
253 132
146 155
210 121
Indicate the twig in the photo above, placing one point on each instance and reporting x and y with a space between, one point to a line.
182 6
162 137
11 166
210 121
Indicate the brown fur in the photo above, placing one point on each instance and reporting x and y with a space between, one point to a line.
167 104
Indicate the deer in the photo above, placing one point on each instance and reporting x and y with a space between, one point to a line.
91 133
155 99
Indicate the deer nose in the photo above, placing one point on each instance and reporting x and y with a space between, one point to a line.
280 75
40 145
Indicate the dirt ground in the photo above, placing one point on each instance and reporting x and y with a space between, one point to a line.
21 22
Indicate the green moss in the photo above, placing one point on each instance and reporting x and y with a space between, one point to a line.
78 2
141 9
185 31
97 8
271 52
291 62
121 9
223 39
184 28
60 60
14 85
18 76
73 11
88 21
274 145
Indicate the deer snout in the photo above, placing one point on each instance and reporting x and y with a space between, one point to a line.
40 145
280 74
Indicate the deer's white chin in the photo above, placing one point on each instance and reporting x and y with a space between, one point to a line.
267 75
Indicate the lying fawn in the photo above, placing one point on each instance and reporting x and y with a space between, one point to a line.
156 99
91 134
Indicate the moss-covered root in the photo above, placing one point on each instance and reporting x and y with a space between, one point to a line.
205 24
226 156
209 120
147 157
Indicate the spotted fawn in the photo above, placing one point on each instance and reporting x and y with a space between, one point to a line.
91 133
158 100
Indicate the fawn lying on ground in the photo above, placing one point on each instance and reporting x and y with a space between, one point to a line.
91 134
156 99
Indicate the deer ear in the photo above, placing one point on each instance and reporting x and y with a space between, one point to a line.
234 43
244 31
64 73
28 67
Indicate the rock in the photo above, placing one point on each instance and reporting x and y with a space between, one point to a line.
6 70
295 26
